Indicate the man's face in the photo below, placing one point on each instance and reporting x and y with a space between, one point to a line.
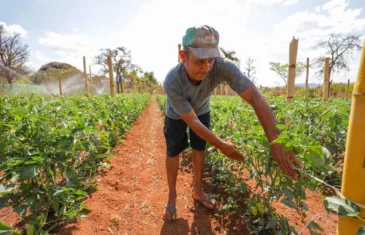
197 69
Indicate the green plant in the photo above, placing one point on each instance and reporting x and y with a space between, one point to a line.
51 148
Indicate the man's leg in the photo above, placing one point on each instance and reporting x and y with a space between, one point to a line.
198 146
172 167
176 141
198 165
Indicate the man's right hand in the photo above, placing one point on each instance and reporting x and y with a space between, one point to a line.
231 151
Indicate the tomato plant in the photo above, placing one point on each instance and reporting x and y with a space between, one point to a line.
51 148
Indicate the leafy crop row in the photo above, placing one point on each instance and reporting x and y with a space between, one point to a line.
50 149
316 132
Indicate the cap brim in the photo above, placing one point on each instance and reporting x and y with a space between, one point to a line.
207 52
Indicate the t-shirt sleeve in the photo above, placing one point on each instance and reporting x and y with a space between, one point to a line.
234 77
179 103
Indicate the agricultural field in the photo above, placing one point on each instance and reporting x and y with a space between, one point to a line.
96 165
51 148
316 132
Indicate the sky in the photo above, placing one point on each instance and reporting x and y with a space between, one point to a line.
67 30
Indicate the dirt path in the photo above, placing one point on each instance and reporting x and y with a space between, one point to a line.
132 195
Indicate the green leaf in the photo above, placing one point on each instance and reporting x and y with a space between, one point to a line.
254 210
361 231
21 210
289 203
260 208
318 160
29 171
7 230
4 189
304 206
69 174
31 229
341 206
243 187
271 224
3 147
84 207
314 225
313 232
288 193
80 192
31 199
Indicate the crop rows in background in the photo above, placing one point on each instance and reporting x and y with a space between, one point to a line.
51 148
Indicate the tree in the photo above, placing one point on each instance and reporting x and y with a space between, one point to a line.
150 80
282 70
232 56
250 69
122 63
13 54
338 47
51 71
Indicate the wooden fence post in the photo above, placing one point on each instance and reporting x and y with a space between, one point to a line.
111 80
348 89
306 76
91 81
353 176
60 83
85 76
326 78
293 51
178 52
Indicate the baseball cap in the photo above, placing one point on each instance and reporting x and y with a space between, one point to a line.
203 42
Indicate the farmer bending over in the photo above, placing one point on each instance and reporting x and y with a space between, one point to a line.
189 87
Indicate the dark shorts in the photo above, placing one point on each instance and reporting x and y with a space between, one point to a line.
177 138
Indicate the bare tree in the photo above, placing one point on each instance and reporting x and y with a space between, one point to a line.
13 54
122 62
338 47
250 69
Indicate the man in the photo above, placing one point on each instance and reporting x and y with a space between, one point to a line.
188 87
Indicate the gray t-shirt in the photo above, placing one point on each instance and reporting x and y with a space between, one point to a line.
183 96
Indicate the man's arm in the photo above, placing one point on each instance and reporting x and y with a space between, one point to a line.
265 115
226 148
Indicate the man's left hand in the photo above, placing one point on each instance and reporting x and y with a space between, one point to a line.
286 160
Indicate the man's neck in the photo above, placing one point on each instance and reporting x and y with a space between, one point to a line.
194 82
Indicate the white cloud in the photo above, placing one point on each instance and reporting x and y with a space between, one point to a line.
68 48
335 5
312 27
75 30
156 30
290 2
70 43
273 2
15 28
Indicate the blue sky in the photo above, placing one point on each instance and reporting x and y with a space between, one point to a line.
69 29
